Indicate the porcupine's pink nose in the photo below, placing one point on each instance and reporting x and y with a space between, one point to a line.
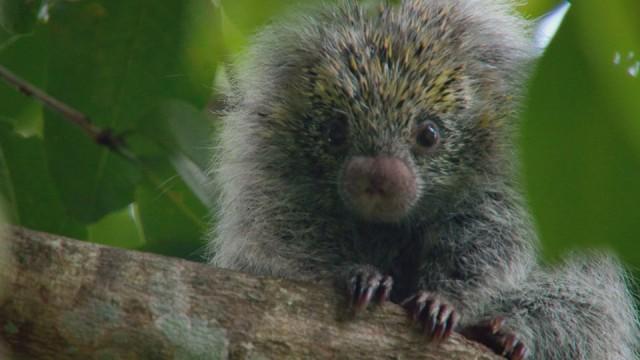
379 188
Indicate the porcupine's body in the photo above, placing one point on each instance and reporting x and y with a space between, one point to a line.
362 143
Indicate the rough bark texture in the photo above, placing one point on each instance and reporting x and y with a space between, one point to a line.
66 299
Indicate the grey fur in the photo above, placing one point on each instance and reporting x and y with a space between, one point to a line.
468 237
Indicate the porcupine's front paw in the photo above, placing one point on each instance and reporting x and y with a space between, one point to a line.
492 335
434 314
365 284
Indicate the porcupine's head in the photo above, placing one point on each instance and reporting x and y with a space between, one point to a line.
389 112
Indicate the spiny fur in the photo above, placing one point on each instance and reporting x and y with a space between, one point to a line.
460 63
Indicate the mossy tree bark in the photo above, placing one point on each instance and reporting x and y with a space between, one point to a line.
61 298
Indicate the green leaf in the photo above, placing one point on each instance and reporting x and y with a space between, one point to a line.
185 135
114 60
173 220
92 180
202 50
17 16
613 46
239 24
25 56
180 127
31 197
118 229
533 9
261 12
581 137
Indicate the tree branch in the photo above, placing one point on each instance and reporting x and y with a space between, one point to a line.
70 299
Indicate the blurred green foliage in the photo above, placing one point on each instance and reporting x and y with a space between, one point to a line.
581 133
142 70
147 70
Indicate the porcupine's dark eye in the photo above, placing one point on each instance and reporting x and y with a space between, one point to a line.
336 130
427 135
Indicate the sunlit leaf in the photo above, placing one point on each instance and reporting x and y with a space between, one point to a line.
119 229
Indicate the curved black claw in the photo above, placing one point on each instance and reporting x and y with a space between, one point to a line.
492 335
366 284
437 317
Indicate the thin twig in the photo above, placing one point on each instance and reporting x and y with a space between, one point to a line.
101 136
104 137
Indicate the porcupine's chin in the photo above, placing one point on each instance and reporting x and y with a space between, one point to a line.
378 189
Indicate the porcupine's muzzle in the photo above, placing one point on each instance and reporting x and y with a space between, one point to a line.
380 189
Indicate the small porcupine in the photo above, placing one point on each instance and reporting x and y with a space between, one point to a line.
375 147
